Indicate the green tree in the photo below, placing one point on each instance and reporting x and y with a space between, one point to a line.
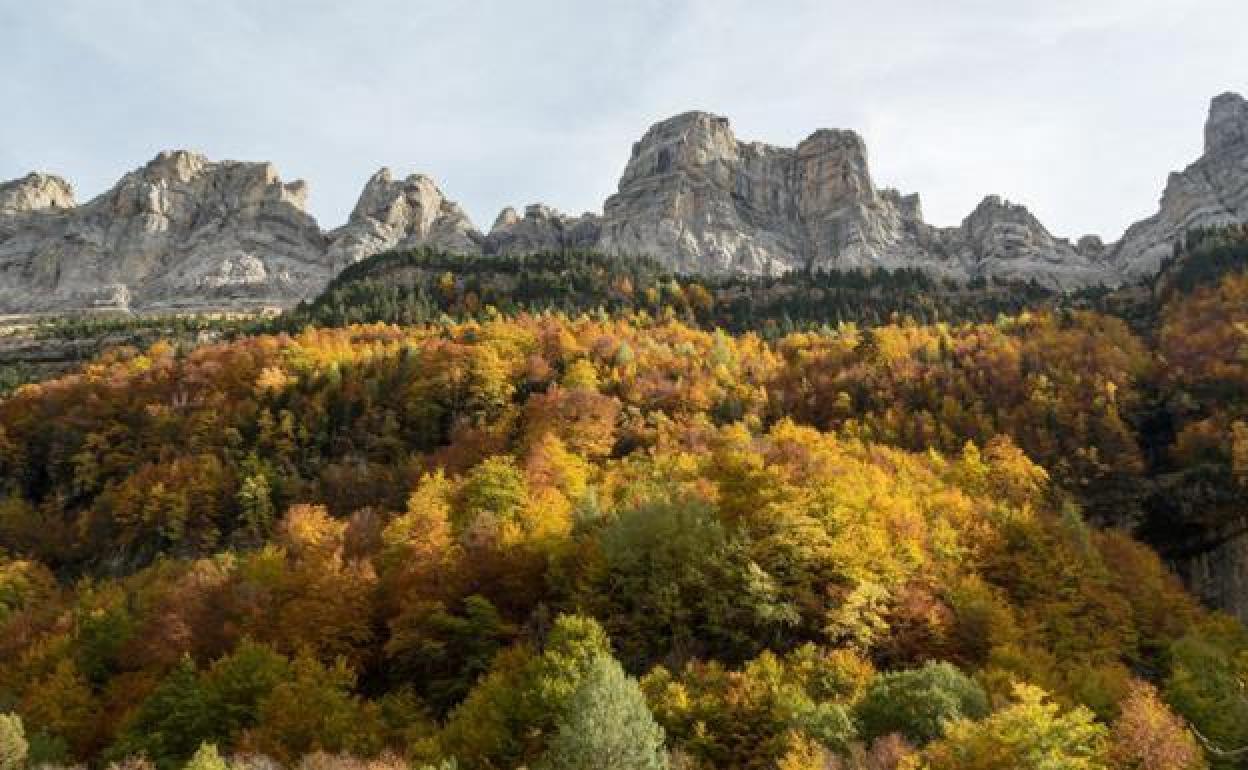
496 488
606 724
507 717
678 582
315 710
919 702
1206 685
238 684
171 723
446 652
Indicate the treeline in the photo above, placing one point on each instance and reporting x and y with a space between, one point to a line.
418 286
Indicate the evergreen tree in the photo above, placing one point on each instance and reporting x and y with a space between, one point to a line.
918 703
171 722
606 725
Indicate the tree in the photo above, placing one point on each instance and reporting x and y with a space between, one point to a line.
606 724
1148 736
314 710
13 745
1206 683
63 706
678 582
1031 734
505 718
238 683
175 720
920 702
206 758
443 651
494 489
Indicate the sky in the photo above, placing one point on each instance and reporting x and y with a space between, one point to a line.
1076 108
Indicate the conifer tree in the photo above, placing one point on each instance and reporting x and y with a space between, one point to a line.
606 725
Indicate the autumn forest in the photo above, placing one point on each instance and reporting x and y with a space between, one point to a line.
568 513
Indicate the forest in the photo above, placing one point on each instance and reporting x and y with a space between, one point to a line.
570 511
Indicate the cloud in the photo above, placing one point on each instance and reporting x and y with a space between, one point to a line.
1077 109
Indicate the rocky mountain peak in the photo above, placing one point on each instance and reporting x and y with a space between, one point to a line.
832 164
175 166
402 213
179 232
692 142
414 202
35 192
993 210
695 196
1211 191
1226 128
542 228
506 218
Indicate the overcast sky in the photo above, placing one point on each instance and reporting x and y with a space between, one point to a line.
1077 108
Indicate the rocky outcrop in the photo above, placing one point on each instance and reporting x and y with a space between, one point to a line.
1216 569
403 213
1004 241
1212 191
700 200
697 198
181 232
541 229
34 192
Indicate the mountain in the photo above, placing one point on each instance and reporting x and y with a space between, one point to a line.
1212 191
403 213
181 232
703 201
186 233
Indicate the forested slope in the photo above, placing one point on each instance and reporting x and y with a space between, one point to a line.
507 538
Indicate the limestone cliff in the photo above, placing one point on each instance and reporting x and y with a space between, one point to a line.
186 233
541 229
181 232
696 197
403 213
1211 191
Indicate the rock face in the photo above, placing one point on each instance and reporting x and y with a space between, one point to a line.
180 232
541 229
1218 574
1003 240
696 197
183 232
405 213
34 192
1211 191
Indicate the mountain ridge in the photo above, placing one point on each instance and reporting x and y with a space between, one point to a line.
185 233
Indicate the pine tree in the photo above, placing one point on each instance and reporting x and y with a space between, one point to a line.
606 725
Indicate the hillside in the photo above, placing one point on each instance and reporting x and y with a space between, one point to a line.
554 513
